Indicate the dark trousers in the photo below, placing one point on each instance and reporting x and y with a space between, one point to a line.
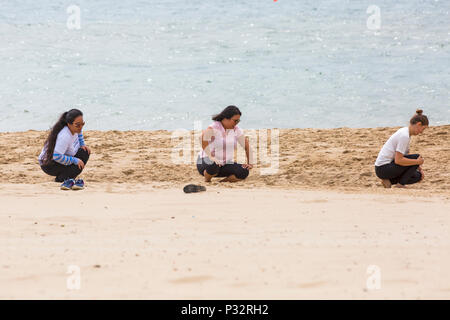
224 171
399 174
62 172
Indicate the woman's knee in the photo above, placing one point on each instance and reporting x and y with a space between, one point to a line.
212 169
83 155
412 156
242 173
416 177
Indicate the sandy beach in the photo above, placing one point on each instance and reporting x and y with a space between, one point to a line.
140 242
340 159
312 230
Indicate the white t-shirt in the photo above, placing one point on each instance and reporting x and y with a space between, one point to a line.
398 142
66 144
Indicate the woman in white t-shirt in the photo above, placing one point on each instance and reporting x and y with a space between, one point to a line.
394 164
65 153
219 140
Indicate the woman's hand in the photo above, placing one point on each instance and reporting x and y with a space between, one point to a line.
247 166
87 149
420 160
216 161
80 164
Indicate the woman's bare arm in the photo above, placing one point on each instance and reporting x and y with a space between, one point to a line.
402 161
205 138
245 143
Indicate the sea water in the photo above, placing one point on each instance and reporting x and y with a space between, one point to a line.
165 64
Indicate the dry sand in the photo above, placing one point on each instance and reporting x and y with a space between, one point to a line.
333 159
310 231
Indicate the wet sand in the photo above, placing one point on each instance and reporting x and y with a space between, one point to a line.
143 242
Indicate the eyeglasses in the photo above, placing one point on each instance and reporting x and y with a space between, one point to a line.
79 125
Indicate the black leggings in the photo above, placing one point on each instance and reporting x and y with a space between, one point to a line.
224 171
62 172
399 174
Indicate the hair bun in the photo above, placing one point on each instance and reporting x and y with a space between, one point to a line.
419 112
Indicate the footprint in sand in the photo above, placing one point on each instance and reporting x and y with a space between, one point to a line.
314 201
194 279
312 284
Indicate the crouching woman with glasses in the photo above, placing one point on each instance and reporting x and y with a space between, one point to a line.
219 142
65 153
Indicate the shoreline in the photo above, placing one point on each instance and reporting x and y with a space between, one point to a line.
191 130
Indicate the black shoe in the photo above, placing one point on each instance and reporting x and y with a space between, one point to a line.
193 188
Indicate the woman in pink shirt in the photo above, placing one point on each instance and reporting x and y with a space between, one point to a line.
219 141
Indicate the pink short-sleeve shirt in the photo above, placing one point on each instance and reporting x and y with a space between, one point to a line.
223 142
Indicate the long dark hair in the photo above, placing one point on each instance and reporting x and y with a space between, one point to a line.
227 113
64 119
